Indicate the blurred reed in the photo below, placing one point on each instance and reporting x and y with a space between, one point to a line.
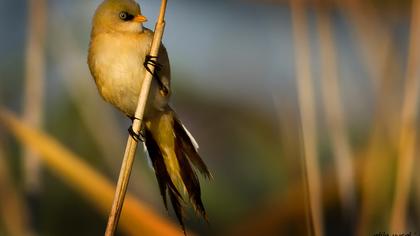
307 108
33 106
379 56
136 218
408 129
335 119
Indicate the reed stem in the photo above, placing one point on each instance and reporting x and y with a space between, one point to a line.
307 115
131 147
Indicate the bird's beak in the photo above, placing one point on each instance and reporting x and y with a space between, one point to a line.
140 19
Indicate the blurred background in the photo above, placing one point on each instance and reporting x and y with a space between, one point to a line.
306 112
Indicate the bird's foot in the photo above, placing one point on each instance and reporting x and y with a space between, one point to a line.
136 136
152 61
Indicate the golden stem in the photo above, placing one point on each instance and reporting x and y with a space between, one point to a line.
308 115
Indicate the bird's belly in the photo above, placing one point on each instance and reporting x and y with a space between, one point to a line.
119 73
120 81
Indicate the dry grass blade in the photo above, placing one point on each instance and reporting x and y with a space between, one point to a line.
131 147
308 114
34 85
136 219
343 153
407 142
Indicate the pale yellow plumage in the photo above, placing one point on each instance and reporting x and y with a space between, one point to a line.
116 57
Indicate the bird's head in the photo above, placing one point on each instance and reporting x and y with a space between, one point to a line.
119 16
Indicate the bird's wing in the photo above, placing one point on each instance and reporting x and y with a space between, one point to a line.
165 73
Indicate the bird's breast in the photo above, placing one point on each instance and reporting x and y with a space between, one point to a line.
116 62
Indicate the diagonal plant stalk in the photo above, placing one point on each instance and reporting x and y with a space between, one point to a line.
307 115
407 139
136 219
131 147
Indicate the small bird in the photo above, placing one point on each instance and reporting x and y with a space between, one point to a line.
118 60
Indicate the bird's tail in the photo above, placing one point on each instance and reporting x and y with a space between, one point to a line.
173 151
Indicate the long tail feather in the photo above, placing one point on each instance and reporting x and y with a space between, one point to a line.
173 152
190 180
189 149
163 178
176 204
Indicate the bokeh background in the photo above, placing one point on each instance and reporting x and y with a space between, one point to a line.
305 111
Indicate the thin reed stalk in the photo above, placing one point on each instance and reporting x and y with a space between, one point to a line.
34 86
335 118
408 134
307 114
131 147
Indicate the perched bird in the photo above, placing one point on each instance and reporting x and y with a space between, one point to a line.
118 60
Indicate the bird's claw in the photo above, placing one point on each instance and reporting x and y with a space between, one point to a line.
152 61
136 136
164 90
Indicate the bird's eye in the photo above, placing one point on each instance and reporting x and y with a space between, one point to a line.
123 15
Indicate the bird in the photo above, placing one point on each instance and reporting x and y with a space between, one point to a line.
118 58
